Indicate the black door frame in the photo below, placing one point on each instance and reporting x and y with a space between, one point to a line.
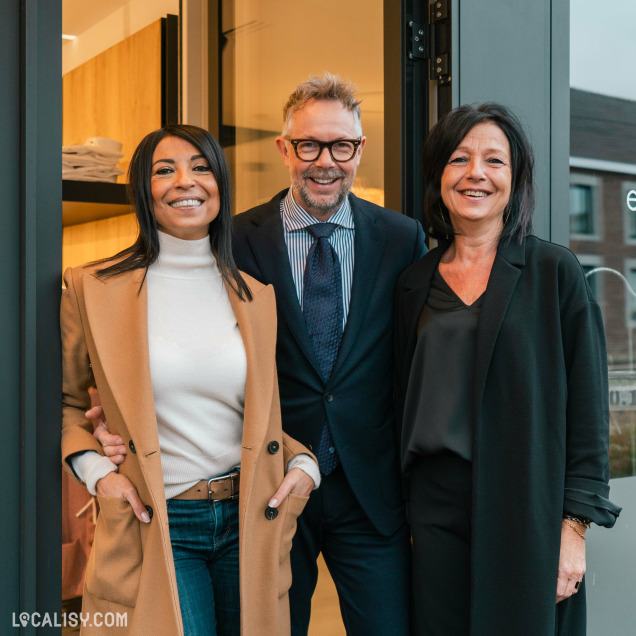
30 257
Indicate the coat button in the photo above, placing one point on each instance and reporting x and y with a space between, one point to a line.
150 511
310 447
271 513
328 397
273 447
131 445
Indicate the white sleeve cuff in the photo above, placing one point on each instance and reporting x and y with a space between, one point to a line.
307 465
90 467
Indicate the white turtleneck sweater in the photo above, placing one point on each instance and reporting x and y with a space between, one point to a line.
197 368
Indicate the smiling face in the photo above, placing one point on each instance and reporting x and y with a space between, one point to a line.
321 186
476 181
184 191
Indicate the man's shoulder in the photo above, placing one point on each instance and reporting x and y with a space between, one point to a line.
392 218
259 213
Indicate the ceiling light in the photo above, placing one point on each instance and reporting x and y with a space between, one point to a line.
68 37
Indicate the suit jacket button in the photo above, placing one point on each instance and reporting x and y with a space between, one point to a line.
273 447
310 447
131 445
328 397
150 511
271 513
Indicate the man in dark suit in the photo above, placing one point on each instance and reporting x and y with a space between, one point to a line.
334 260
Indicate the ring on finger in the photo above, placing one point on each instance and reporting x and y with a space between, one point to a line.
577 585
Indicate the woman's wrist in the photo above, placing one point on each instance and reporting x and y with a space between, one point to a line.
576 527
580 520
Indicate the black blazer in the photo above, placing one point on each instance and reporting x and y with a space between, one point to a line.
357 398
540 424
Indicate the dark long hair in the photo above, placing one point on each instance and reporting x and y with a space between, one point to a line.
145 250
440 144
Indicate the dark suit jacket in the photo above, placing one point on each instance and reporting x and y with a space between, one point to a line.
541 429
357 398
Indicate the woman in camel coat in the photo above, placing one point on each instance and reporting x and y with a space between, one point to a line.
106 322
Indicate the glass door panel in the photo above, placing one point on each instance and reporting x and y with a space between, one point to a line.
603 195
270 46
603 236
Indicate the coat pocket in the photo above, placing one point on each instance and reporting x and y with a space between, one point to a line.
114 566
294 506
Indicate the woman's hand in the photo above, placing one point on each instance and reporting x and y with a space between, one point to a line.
113 445
119 487
296 481
571 560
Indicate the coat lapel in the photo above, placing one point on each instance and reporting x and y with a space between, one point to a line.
413 301
501 285
369 245
117 313
270 250
257 324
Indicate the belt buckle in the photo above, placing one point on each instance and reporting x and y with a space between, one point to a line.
232 477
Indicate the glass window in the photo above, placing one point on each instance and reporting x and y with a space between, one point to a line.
270 47
593 273
602 173
585 204
629 206
581 209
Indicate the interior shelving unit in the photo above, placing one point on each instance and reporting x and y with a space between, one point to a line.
84 201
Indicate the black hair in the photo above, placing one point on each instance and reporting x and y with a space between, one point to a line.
144 251
440 144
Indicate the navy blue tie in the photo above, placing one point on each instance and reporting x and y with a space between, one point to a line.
323 311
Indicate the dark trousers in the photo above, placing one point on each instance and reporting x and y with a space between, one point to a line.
371 572
440 516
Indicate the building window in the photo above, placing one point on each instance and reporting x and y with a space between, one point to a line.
630 292
590 265
584 206
628 190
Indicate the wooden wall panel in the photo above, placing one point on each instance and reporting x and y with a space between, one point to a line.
117 94
98 239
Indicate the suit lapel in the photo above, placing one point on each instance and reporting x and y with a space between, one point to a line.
117 313
369 245
270 251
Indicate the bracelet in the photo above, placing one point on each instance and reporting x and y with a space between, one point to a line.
567 523
583 522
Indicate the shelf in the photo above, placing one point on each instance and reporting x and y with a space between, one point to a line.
84 201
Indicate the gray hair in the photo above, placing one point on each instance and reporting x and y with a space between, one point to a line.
328 87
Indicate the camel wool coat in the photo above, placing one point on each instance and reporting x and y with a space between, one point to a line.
130 570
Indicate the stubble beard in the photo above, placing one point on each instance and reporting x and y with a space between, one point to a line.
319 206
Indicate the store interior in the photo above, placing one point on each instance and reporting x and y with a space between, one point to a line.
117 60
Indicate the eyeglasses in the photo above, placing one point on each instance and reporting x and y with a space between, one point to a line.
341 150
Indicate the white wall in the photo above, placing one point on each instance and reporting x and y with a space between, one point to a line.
120 24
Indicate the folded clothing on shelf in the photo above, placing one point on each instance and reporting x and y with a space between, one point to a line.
95 160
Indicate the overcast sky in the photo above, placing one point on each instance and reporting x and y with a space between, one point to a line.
603 47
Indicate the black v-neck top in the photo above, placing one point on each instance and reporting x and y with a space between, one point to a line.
438 407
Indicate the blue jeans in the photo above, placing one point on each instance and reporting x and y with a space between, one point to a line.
205 548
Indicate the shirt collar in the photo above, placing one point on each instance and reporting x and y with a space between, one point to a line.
297 218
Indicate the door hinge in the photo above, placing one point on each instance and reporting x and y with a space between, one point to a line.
418 41
439 38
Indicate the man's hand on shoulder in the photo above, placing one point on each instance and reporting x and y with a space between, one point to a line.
113 445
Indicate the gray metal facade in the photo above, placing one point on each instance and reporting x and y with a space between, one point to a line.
30 261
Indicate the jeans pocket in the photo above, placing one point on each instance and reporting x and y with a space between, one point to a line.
114 566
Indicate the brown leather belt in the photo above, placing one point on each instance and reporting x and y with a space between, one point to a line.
214 489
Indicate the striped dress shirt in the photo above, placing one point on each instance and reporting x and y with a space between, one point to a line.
298 241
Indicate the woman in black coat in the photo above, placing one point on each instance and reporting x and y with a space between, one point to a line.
502 397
